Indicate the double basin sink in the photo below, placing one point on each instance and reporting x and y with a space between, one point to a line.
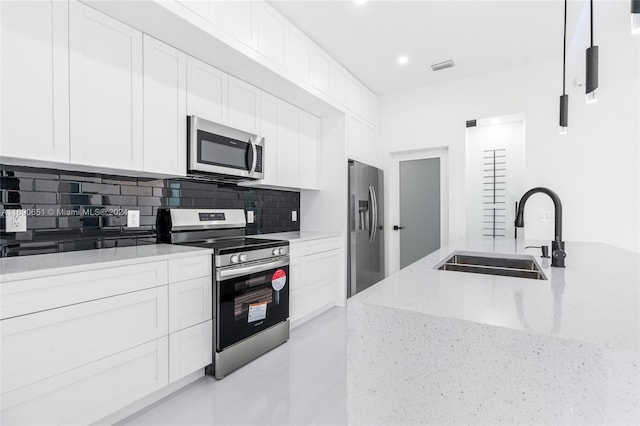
520 267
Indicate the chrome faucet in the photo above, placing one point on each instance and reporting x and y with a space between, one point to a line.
557 245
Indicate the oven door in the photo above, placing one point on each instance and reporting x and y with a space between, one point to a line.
218 149
250 299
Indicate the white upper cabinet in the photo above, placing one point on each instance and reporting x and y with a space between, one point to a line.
355 95
269 131
289 145
34 86
237 18
244 106
165 108
207 91
309 138
354 137
338 83
105 90
271 33
320 69
298 53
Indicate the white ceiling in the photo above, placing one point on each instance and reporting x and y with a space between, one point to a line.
480 36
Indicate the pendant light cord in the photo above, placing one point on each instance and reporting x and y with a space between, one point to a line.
564 50
591 18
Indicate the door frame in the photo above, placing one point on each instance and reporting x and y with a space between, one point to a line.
393 216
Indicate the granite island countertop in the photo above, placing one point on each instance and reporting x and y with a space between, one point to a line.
460 348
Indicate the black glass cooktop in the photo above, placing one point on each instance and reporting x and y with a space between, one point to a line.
237 244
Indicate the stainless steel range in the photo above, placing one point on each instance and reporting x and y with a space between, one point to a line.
250 282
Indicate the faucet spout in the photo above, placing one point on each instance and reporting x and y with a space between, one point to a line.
557 245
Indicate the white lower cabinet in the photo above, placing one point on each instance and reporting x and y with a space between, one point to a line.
190 350
315 277
77 347
88 393
38 346
189 303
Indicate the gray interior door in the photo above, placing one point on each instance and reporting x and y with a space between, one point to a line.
419 209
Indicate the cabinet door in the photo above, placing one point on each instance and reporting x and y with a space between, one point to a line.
165 109
34 85
87 394
189 303
106 90
354 137
320 70
355 94
269 131
369 145
41 345
338 83
190 350
238 18
297 53
271 33
309 138
207 91
244 106
289 145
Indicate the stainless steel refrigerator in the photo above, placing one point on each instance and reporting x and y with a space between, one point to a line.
366 217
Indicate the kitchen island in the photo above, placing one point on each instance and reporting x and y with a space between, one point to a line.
444 347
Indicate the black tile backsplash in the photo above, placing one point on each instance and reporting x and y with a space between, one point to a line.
69 211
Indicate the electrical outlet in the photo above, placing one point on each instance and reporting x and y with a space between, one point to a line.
250 216
133 218
294 216
16 220
545 216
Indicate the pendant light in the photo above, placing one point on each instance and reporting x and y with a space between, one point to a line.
635 16
564 99
592 66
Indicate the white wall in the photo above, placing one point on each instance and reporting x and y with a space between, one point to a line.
594 168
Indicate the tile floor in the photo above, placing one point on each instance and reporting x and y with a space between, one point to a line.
302 382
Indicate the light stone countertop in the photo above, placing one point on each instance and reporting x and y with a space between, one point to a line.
41 265
297 236
460 348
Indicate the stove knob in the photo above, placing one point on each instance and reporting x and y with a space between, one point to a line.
233 258
280 251
275 252
243 258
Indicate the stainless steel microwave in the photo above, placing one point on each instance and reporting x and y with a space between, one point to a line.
223 151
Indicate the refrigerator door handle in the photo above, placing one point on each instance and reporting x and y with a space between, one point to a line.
373 226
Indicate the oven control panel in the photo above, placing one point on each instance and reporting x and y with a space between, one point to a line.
250 256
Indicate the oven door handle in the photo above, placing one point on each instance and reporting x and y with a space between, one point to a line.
229 273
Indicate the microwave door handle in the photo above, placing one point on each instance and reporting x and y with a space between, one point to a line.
229 273
254 156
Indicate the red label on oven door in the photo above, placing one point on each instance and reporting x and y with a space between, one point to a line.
279 279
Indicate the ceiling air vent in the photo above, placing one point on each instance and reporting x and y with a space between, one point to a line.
442 65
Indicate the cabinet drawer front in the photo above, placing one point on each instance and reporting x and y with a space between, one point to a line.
87 394
28 296
189 267
306 248
190 303
41 345
190 350
314 268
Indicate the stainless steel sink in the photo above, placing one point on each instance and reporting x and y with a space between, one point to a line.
520 267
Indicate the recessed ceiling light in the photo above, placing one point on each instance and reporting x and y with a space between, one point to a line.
359 1
403 60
